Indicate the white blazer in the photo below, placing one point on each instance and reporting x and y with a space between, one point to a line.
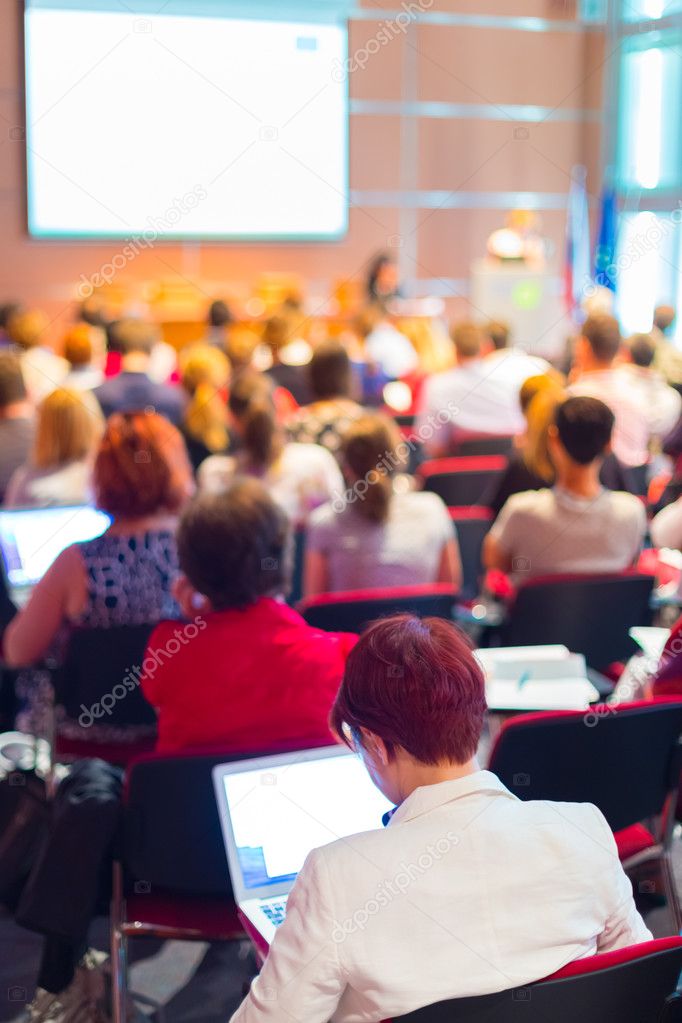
468 891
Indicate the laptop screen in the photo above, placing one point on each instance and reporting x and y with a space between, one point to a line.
280 813
31 539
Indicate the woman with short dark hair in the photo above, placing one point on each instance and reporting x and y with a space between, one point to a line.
256 676
467 891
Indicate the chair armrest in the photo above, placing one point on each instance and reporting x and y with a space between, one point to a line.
672 1010
601 683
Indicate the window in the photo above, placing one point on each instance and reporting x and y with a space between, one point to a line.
648 267
645 10
650 125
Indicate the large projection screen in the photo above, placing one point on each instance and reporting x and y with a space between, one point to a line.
195 122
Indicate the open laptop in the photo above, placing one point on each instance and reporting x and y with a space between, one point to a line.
275 810
31 539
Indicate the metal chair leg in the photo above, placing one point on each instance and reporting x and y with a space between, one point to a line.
119 957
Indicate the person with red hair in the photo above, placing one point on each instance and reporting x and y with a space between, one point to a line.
468 890
142 478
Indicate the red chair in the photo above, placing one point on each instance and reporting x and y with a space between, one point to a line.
472 525
590 614
353 610
483 444
630 985
97 672
462 481
172 879
626 759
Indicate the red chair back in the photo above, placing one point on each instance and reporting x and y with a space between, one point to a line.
483 444
590 614
631 985
462 481
353 610
623 758
472 525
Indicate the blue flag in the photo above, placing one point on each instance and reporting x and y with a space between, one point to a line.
605 247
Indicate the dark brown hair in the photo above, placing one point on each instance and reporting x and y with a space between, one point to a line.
330 371
252 405
233 546
136 336
602 333
12 387
369 449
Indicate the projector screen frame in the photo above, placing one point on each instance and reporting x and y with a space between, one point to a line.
93 238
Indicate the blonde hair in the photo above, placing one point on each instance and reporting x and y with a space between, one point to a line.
69 427
436 351
369 450
468 339
26 329
78 346
241 344
539 382
540 413
205 374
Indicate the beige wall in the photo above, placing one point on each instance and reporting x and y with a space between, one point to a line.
475 155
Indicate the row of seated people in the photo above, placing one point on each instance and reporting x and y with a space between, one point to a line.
483 388
412 705
231 554
373 531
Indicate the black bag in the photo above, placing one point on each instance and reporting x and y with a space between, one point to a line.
24 813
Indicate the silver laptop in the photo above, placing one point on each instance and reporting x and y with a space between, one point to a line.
275 810
31 539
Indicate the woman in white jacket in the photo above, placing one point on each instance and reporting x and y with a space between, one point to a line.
468 890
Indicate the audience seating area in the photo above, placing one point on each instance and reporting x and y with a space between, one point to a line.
267 520
462 480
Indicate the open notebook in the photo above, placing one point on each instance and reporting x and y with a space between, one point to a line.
536 678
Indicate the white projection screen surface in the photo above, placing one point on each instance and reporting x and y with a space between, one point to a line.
195 122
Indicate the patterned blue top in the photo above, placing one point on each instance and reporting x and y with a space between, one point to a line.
129 579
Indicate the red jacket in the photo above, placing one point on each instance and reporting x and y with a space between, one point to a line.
254 680
668 679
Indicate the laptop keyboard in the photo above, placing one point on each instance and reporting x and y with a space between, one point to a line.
274 911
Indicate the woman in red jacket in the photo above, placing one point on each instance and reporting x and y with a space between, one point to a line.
247 672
